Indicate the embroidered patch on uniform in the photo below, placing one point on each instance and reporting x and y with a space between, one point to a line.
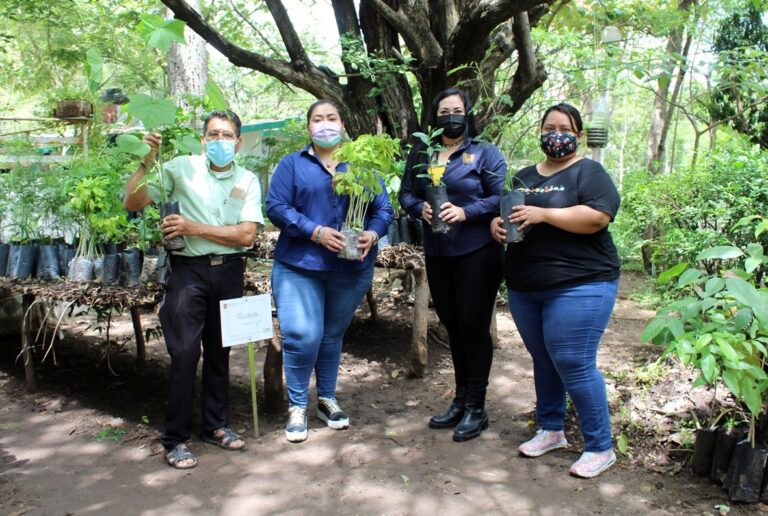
237 193
468 158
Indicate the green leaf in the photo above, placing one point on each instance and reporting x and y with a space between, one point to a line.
153 113
622 444
713 286
94 68
731 381
160 33
753 397
688 277
130 144
188 143
748 295
752 263
215 96
755 250
675 326
726 350
672 273
709 368
721 252
653 328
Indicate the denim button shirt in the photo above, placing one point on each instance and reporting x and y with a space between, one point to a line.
473 177
301 198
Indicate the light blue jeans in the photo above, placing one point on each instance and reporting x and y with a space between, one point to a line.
561 329
314 309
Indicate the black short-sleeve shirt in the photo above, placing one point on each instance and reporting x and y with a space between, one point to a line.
550 257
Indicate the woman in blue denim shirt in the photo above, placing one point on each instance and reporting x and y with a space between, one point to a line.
316 293
464 266
562 281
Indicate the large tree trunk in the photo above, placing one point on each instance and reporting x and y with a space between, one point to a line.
188 66
441 36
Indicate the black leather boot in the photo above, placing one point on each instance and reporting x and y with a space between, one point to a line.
453 415
473 423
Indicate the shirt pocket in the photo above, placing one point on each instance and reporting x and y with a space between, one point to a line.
231 211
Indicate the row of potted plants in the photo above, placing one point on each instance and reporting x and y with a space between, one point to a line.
719 326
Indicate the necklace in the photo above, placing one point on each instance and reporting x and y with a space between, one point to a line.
453 145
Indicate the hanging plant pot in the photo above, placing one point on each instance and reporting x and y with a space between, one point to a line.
393 233
48 263
21 260
110 269
597 137
5 250
437 195
130 263
404 228
725 443
65 255
507 201
703 450
177 243
80 269
746 472
73 109
350 250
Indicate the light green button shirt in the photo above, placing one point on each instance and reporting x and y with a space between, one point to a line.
213 198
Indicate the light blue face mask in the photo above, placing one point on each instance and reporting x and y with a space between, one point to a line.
220 152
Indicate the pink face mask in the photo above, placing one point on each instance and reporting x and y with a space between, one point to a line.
325 133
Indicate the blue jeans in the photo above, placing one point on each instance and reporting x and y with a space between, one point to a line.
561 329
314 309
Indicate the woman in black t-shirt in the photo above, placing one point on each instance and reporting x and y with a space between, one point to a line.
562 280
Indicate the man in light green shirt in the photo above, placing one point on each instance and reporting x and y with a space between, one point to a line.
219 210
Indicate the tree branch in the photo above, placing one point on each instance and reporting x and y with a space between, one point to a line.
255 28
303 75
291 39
411 26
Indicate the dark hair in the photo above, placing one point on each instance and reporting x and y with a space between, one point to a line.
224 115
571 112
320 103
471 130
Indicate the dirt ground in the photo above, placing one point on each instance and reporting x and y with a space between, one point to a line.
86 441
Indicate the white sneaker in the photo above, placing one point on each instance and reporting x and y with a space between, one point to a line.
329 411
296 428
591 464
544 441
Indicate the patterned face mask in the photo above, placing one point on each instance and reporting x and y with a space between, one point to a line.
558 144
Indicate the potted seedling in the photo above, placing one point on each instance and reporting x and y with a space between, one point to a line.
436 191
369 159
720 327
509 198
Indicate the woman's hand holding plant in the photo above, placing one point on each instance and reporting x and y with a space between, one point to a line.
330 239
451 213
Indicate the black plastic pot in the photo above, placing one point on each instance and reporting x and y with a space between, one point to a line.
507 201
21 260
177 243
110 271
130 261
5 250
703 450
350 250
110 247
65 254
48 263
80 269
436 197
403 227
746 473
417 231
393 233
725 443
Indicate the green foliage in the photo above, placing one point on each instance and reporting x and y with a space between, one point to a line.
159 33
693 209
110 433
369 159
153 112
719 324
377 68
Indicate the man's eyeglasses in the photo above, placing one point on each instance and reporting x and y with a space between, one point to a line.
220 135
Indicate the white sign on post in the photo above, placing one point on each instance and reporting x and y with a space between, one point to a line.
246 319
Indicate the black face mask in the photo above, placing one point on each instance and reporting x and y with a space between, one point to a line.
453 126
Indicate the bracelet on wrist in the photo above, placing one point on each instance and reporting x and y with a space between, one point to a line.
319 234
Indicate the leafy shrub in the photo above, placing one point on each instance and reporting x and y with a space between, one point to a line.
671 218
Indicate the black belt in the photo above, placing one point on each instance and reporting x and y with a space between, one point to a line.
209 259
